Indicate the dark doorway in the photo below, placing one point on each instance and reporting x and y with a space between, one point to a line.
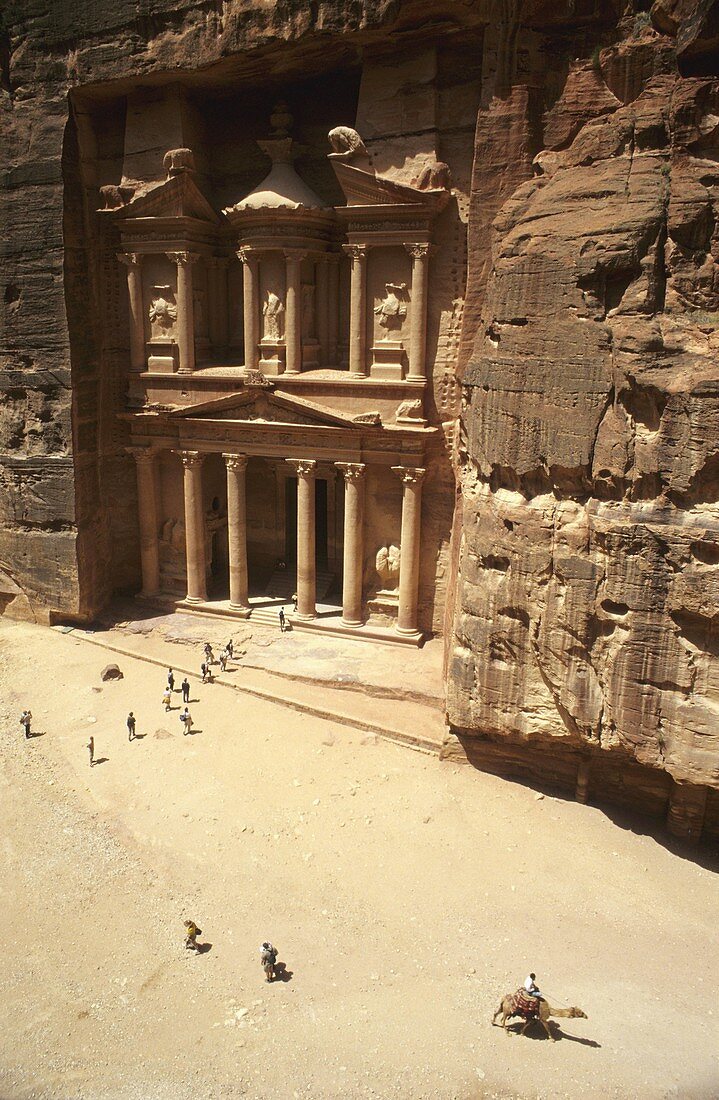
320 521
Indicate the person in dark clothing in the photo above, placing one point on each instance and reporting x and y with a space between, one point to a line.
130 726
185 690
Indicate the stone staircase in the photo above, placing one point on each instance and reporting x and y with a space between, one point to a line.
282 585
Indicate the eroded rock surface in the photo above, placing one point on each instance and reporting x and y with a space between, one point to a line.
586 622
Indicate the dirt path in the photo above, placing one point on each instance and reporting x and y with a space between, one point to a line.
404 895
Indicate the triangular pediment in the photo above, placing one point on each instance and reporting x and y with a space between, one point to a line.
264 404
177 197
366 189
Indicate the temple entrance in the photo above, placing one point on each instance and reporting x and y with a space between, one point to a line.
321 540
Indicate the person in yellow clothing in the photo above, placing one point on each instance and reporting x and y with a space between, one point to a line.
191 934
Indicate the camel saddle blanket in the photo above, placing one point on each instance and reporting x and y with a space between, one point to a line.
525 1005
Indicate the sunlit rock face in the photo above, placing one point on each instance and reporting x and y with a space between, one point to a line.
578 596
585 646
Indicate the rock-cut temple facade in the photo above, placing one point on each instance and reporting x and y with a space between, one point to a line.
408 310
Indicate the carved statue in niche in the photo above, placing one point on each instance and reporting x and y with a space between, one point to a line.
308 311
392 310
163 312
346 143
387 565
273 314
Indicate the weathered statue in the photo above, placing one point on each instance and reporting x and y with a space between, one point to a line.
273 314
391 310
163 312
346 142
435 176
387 565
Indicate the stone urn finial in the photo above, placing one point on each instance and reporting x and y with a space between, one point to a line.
178 160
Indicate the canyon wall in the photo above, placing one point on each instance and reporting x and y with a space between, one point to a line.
586 648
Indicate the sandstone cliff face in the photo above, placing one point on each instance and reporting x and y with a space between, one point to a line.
586 621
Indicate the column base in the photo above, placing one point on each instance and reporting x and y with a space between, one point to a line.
416 378
358 374
304 618
354 623
195 599
408 631
150 594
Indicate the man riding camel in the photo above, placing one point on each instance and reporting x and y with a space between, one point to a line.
531 988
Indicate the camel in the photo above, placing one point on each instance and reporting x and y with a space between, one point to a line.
508 1008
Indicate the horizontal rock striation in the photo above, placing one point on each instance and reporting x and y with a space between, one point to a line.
586 638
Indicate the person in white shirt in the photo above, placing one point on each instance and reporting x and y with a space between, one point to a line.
531 988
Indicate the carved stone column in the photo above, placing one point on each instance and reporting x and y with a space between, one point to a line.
219 303
409 547
358 309
353 561
185 309
293 312
306 565
237 529
322 283
147 515
333 307
194 526
420 254
132 261
251 305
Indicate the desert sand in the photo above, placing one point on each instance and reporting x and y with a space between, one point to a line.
405 897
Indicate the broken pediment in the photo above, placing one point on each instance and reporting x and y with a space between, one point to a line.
177 197
264 404
362 188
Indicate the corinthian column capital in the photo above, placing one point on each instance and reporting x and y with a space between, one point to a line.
191 459
409 475
235 462
352 471
304 467
130 259
184 258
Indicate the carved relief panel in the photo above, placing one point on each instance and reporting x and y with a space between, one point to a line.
389 304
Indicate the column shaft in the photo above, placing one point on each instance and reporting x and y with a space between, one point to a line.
218 304
353 559
333 309
358 310
185 310
322 283
132 262
409 548
251 307
306 565
194 526
418 312
147 515
293 313
237 528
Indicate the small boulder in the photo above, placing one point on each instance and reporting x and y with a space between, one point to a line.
111 672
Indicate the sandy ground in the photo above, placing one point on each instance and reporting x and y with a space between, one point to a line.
404 895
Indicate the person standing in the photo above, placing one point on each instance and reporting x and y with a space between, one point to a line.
294 601
282 619
167 699
91 749
131 726
230 649
185 690
170 679
223 660
186 719
268 958
25 720
191 934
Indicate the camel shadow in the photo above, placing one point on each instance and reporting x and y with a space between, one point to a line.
538 1034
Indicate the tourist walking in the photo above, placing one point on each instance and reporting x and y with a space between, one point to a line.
294 601
171 679
91 750
282 619
223 660
25 720
185 690
191 934
268 958
230 649
209 655
131 726
186 719
167 699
